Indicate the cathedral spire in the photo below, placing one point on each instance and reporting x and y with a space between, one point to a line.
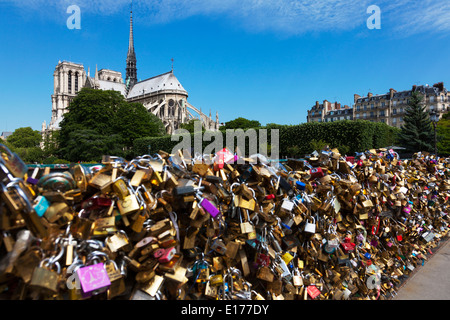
131 39
131 70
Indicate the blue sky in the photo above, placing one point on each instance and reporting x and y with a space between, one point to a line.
265 60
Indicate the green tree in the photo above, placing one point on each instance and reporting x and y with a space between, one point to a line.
443 131
100 118
31 155
50 146
133 121
88 145
242 123
417 132
25 137
190 125
317 145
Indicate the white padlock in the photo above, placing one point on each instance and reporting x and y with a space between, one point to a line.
287 205
310 227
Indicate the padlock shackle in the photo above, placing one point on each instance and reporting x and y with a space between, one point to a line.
6 171
15 183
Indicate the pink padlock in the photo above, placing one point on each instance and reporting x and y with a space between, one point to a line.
164 255
93 279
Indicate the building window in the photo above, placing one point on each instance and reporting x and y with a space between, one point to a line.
395 102
76 81
365 107
382 113
364 115
442 98
371 114
383 104
431 98
394 120
70 81
372 106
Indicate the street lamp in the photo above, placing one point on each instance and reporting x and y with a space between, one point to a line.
434 117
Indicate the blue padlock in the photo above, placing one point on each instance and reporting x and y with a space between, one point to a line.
41 205
367 255
300 185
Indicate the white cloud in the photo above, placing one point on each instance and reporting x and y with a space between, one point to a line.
289 17
420 16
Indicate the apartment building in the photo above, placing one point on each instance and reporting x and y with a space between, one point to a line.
329 112
388 108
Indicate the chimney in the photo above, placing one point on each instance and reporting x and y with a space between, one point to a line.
391 92
439 85
317 104
414 88
326 105
356 97
370 95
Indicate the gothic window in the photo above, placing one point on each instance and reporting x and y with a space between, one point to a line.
162 112
171 107
76 81
70 81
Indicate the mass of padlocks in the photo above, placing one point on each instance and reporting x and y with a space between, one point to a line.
220 227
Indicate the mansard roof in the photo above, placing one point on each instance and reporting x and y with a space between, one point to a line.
158 84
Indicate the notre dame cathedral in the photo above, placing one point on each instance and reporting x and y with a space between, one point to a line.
162 95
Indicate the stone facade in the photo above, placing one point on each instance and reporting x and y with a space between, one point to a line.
388 108
329 112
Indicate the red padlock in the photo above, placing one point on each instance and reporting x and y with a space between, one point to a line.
164 255
316 173
262 259
269 197
348 246
96 203
313 291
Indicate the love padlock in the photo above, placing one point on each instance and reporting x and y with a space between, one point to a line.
165 255
310 227
94 279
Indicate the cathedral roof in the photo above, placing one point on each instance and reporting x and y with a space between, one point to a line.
164 82
110 85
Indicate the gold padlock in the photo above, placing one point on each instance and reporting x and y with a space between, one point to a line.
128 205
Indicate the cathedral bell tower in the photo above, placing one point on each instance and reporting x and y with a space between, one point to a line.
131 70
